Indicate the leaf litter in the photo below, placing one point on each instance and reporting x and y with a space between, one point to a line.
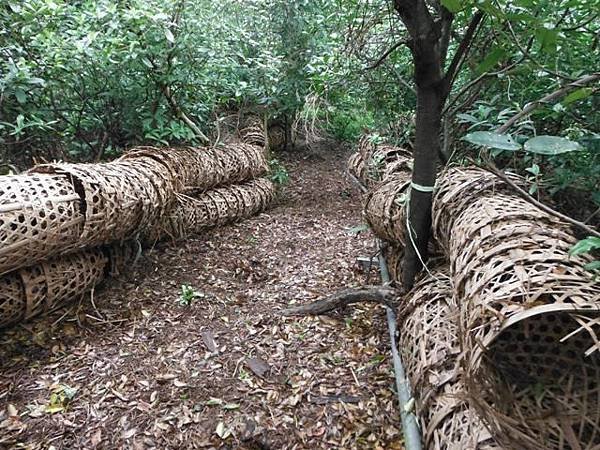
138 369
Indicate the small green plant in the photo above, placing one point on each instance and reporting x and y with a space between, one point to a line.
279 173
590 245
243 374
188 294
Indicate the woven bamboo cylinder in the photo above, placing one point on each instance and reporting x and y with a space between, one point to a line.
119 199
356 166
181 163
530 316
212 208
373 163
121 256
39 216
384 208
38 289
205 168
394 254
276 137
429 345
253 131
456 189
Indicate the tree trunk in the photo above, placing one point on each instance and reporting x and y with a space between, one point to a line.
427 144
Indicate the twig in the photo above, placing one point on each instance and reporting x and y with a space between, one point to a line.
182 115
463 49
583 81
526 53
592 216
372 294
387 53
491 167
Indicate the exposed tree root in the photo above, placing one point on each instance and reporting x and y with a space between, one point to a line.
371 294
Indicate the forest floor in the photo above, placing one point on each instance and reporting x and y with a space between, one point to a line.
134 368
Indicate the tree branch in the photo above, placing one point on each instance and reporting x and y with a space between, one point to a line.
583 81
462 49
491 167
371 294
386 54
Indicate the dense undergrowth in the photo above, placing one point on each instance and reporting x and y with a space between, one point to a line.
85 79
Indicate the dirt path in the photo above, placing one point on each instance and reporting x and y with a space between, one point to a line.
145 372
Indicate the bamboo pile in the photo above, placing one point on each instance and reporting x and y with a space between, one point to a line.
216 207
529 316
63 227
526 314
430 349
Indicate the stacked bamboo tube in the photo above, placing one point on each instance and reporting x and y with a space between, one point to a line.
63 227
529 316
526 314
430 349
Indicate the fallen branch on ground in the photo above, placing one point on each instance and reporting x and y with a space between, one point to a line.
370 294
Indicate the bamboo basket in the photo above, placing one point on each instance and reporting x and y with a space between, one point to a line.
119 199
40 215
276 137
372 164
384 208
253 131
530 315
430 348
38 289
215 207
207 167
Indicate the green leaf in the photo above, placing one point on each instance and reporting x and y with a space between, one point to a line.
585 246
357 229
453 6
551 145
533 188
169 36
593 266
492 140
534 170
547 39
576 95
490 60
21 96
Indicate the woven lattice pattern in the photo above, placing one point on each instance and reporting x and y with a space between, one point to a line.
37 289
253 131
215 207
121 257
394 255
456 189
276 137
384 208
539 386
373 163
356 166
39 215
429 345
120 198
12 299
205 168
529 315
